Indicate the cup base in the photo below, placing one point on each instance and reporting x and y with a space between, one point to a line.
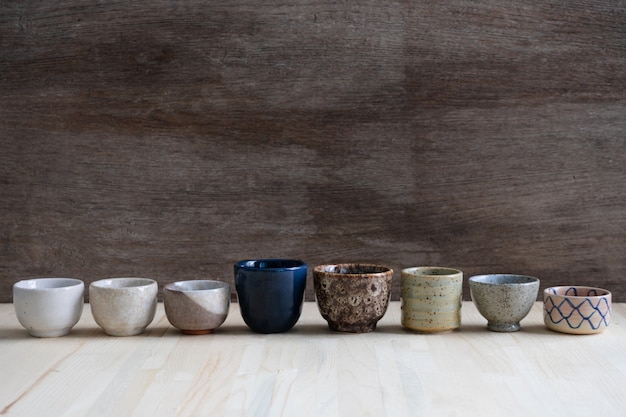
503 327
125 332
352 328
50 333
269 331
426 330
197 332
421 326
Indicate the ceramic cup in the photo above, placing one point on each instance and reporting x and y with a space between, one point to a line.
48 307
196 307
576 310
352 297
123 306
431 298
504 299
270 293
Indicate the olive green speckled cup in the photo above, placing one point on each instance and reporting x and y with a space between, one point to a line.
431 298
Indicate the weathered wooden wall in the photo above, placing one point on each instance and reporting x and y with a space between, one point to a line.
169 139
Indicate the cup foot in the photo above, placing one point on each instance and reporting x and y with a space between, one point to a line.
503 327
352 328
49 333
124 332
197 332
426 330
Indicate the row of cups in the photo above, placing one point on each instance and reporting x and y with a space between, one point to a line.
351 297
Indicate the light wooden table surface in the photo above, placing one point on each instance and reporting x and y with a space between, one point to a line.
312 371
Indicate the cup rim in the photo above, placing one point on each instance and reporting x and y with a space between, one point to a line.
258 264
507 279
413 271
369 269
123 283
47 284
556 291
212 285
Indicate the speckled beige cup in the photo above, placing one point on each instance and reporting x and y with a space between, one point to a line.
123 306
431 298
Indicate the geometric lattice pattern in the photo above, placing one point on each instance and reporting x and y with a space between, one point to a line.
578 313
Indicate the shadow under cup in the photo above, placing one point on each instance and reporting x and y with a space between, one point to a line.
270 293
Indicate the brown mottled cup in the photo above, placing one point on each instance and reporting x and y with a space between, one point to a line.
352 297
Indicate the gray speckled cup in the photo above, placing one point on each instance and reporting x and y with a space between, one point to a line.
504 299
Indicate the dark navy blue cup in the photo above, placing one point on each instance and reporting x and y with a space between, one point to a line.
270 293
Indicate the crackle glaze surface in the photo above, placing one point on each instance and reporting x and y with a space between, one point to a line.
504 299
123 306
352 297
431 298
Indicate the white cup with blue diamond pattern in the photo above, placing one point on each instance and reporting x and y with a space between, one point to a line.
576 309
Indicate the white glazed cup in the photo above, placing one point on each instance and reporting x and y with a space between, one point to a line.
123 306
431 298
48 307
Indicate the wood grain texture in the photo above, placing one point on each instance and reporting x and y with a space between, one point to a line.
311 371
170 140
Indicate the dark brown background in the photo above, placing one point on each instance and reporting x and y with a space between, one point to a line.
170 139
